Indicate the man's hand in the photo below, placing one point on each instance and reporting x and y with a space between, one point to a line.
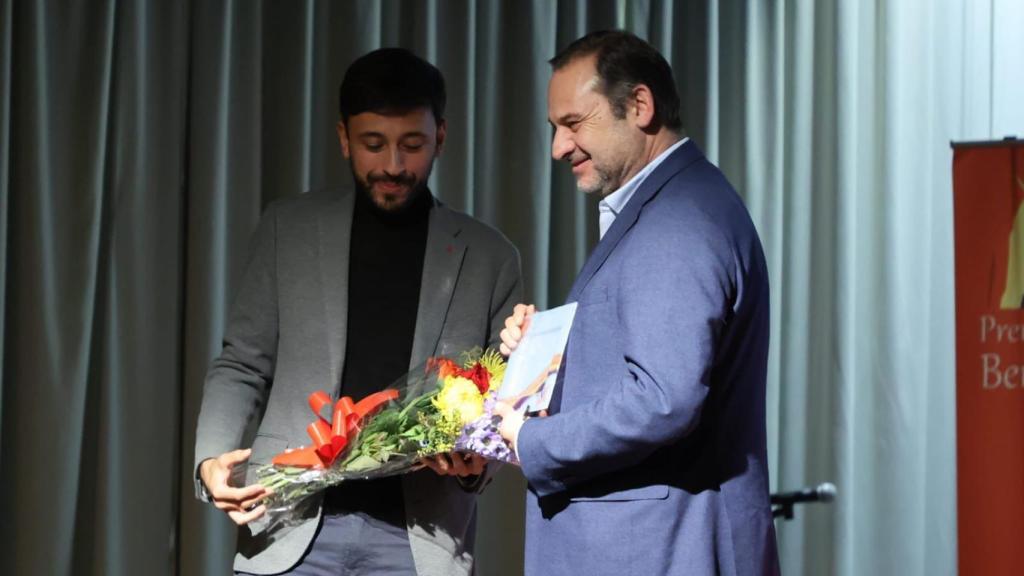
515 327
511 422
455 464
242 505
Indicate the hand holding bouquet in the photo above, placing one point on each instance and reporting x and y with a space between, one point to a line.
447 406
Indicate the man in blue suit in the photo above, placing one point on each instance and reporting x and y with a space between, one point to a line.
653 457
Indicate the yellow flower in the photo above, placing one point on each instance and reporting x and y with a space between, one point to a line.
460 397
493 362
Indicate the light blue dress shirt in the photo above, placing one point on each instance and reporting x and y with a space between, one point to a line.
610 206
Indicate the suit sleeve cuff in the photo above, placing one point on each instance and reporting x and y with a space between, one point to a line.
534 460
202 494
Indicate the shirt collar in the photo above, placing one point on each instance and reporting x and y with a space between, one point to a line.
616 201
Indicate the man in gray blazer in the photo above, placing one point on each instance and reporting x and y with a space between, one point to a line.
345 291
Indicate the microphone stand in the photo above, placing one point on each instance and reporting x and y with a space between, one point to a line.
783 503
784 511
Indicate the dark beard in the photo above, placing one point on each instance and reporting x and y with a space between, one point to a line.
417 190
419 198
412 200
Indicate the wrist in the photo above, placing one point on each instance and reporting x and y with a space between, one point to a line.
204 469
201 473
517 432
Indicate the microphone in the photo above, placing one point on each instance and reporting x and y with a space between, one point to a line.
824 492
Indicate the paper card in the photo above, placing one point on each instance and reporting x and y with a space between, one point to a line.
533 365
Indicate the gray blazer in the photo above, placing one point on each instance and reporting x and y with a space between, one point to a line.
286 339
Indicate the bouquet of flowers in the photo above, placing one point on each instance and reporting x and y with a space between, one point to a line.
447 406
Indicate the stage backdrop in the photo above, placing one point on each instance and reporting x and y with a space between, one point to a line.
140 140
988 190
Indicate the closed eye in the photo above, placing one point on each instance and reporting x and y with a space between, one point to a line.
373 144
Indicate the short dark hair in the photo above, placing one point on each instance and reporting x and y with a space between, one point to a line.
623 62
391 81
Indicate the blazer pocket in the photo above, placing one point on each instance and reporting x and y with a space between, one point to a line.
651 492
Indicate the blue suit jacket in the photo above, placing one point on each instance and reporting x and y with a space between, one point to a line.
655 460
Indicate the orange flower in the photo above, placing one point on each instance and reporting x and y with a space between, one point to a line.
446 368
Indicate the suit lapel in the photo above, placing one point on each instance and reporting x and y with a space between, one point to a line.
675 163
442 263
335 232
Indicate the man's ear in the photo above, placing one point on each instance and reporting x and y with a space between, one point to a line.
343 138
643 106
442 132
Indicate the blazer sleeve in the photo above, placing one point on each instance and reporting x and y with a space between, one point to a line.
239 379
508 291
673 299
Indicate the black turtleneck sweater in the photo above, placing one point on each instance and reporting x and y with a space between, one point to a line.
385 273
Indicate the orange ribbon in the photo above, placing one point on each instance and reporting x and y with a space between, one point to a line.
330 438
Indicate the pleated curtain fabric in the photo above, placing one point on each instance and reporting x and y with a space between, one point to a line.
139 142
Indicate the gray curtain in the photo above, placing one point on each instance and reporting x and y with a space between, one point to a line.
139 142
93 194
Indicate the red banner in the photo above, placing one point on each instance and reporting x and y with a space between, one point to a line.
988 203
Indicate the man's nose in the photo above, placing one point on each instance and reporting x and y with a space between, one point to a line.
396 162
561 145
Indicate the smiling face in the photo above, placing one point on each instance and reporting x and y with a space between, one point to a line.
604 150
392 155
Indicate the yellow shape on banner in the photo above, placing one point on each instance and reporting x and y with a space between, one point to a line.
1013 295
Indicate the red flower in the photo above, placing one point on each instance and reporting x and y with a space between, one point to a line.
479 375
446 367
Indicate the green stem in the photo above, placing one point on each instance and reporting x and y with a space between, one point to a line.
424 398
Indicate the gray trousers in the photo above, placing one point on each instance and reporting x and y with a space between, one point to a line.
355 544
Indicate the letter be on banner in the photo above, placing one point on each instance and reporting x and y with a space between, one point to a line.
991 378
988 221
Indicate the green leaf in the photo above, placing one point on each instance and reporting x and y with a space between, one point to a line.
363 463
